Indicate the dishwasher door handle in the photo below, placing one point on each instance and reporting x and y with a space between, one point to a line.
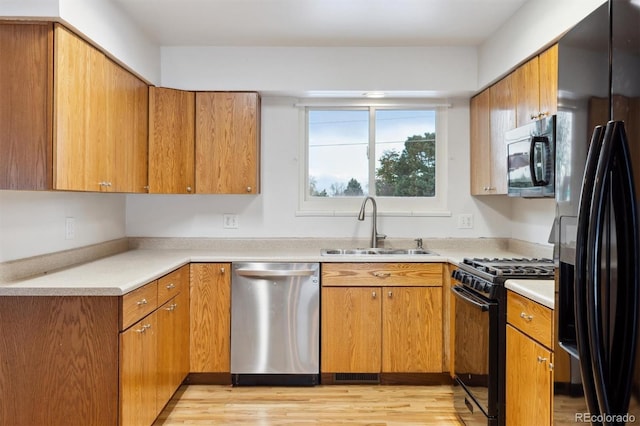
275 272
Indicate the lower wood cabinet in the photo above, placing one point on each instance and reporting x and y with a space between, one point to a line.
210 299
529 364
394 328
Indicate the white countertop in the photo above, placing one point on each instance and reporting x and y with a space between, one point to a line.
121 273
541 291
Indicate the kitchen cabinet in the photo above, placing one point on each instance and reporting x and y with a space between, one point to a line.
154 351
537 87
448 319
227 142
70 118
381 318
100 120
480 157
171 141
529 362
210 307
26 126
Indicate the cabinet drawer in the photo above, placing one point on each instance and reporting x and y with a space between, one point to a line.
138 303
382 274
171 284
530 317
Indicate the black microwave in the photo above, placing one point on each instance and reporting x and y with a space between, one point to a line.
531 159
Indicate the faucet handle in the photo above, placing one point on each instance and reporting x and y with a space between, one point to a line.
418 242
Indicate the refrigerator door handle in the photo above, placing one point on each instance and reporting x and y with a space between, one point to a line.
580 292
612 300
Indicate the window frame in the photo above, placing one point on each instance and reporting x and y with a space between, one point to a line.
387 206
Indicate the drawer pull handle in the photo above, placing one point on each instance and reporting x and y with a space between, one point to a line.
381 274
144 328
542 359
526 317
172 307
142 302
171 286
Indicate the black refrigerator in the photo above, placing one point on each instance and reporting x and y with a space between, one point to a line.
596 224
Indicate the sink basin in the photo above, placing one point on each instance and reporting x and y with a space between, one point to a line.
376 251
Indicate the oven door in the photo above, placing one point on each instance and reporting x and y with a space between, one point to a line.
476 352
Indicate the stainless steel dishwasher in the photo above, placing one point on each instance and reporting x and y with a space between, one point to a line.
275 324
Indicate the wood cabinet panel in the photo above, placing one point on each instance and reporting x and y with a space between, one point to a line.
26 84
210 307
138 366
480 155
381 274
527 84
173 283
530 317
351 323
227 142
548 66
412 329
58 356
138 303
529 379
127 127
503 119
171 141
173 347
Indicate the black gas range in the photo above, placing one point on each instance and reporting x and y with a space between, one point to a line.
480 333
488 275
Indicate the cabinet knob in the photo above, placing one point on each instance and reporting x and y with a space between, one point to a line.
373 294
146 187
526 317
390 294
188 189
142 302
249 189
222 270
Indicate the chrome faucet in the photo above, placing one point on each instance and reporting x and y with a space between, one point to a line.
374 221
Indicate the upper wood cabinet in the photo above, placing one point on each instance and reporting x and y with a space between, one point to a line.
70 118
100 120
227 142
480 154
171 141
26 84
537 87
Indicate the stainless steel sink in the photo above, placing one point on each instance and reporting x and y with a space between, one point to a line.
376 251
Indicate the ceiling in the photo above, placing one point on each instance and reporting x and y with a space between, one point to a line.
380 23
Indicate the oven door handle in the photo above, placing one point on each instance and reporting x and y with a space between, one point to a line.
467 296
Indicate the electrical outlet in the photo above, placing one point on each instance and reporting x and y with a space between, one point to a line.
70 228
230 221
465 221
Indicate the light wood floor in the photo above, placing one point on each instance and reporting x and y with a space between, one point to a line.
320 405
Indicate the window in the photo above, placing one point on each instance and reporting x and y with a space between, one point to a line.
395 154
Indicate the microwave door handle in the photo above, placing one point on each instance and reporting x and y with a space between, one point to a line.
535 140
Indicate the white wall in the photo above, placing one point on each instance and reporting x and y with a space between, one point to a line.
537 24
33 223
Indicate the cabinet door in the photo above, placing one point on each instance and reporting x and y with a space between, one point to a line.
350 331
138 364
82 158
528 381
173 346
26 84
527 92
503 118
480 160
210 307
171 141
548 64
127 127
227 142
412 330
